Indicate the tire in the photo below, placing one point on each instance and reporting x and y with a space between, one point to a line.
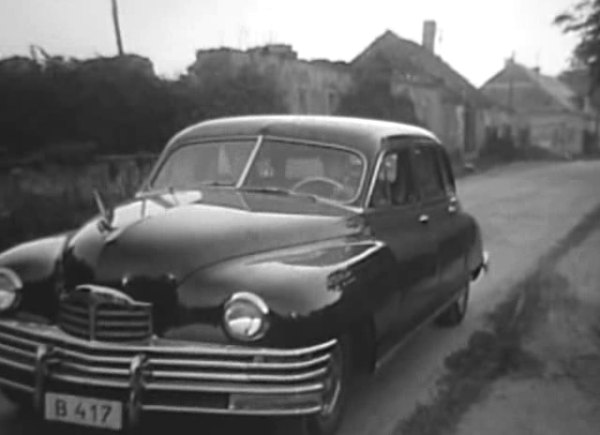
328 420
456 311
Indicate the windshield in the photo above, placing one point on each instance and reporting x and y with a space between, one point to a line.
212 163
322 171
277 167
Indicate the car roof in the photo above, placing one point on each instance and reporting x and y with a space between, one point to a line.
362 134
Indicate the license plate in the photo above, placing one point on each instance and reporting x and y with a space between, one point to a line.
105 414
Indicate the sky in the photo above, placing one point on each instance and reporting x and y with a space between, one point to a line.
474 36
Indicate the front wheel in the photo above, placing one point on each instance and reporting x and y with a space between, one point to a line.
456 311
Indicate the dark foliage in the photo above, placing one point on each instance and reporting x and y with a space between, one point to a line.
583 19
219 88
116 105
371 96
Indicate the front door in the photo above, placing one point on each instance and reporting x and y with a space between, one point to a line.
395 217
447 223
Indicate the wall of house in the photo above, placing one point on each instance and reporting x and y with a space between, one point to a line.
560 132
308 87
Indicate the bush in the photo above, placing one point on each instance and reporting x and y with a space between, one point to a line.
37 203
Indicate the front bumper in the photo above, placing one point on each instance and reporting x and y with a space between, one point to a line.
162 375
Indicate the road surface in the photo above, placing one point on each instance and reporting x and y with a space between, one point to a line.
524 209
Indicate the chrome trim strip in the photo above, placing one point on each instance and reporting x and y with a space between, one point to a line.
108 371
371 187
233 388
17 351
16 365
42 355
249 163
158 346
237 377
241 365
136 388
94 358
104 383
20 341
230 411
16 385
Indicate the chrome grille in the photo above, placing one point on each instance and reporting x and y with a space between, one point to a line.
83 315
176 377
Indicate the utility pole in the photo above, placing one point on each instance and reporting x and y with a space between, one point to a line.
115 16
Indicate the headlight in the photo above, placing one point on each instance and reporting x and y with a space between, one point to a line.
10 289
245 317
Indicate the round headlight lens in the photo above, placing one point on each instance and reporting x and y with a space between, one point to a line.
245 317
10 289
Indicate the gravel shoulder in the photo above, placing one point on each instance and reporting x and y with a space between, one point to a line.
559 392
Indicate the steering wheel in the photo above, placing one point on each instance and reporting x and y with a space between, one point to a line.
317 180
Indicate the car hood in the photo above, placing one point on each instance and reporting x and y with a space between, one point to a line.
171 235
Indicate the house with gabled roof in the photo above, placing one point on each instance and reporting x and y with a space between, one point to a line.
445 101
554 115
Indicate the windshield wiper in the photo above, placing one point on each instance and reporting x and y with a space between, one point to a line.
277 191
216 183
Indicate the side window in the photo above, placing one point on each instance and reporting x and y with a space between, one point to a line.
446 171
394 183
427 174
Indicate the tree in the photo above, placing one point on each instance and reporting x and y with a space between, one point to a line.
218 87
371 96
583 19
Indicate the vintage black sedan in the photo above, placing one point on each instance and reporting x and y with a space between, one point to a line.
263 261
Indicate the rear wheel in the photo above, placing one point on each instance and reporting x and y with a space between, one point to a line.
456 311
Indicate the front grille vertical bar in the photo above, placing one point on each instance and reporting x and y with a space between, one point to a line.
92 309
136 386
43 354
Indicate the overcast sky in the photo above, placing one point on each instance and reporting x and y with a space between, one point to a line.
475 36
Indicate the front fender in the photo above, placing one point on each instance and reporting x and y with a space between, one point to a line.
36 264
314 292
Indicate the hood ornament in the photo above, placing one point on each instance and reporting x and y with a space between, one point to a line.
105 224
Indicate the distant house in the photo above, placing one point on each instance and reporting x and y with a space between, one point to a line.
551 113
444 101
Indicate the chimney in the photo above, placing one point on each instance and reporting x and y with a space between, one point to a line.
429 30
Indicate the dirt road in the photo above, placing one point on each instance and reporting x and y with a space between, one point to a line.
558 390
524 210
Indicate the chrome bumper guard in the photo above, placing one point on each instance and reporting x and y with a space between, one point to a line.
483 269
163 375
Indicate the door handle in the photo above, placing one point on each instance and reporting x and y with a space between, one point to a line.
423 219
452 208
